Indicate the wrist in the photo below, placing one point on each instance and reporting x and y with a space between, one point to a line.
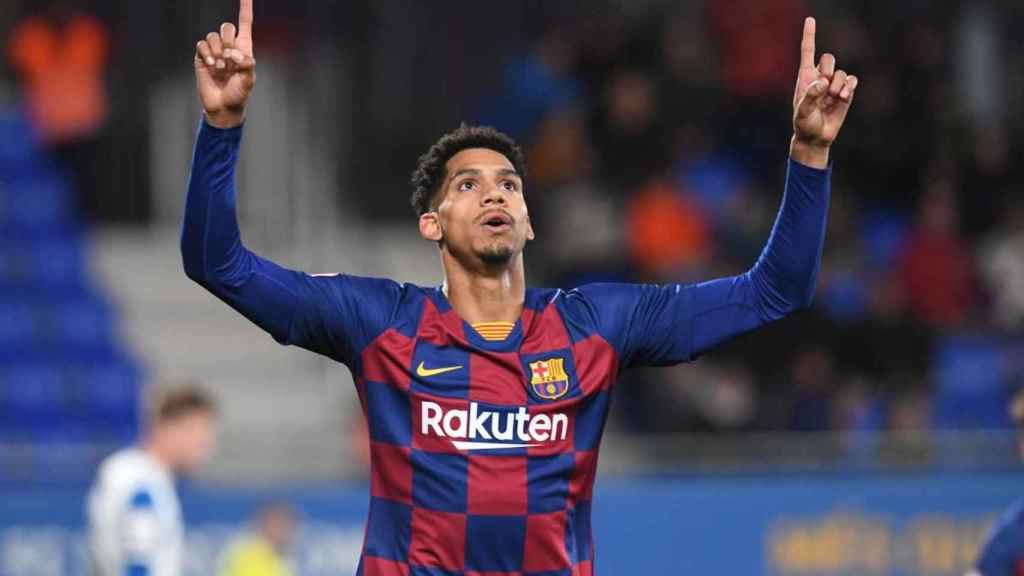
224 119
813 154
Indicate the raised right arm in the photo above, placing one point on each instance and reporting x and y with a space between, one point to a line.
333 315
214 256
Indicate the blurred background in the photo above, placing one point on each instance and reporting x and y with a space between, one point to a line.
868 435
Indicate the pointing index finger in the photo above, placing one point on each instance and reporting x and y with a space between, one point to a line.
806 43
245 19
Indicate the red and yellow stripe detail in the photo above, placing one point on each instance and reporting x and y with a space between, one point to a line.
494 331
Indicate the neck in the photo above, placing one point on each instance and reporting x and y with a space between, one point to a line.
158 451
488 294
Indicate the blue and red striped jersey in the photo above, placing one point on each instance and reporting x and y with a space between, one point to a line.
484 450
484 453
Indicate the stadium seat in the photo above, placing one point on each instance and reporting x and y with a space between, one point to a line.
33 201
972 391
66 387
15 132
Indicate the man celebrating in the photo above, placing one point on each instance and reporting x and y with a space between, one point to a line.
485 398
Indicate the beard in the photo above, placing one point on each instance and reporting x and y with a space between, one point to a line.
496 254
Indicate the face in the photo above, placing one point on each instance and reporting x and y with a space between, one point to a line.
193 438
278 526
481 213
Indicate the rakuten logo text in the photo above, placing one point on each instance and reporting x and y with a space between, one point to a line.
477 429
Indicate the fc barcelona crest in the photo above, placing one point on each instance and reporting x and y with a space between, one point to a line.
548 378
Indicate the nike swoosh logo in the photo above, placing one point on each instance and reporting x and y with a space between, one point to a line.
425 372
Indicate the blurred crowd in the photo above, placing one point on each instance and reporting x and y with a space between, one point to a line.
657 146
656 136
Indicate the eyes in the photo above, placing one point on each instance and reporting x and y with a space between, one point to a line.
469 185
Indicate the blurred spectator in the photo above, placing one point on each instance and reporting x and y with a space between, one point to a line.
690 86
981 82
986 176
560 151
756 40
727 398
739 213
1002 268
60 56
888 345
669 235
631 140
855 408
533 85
813 381
708 396
579 221
937 265
265 551
842 284
979 67
908 418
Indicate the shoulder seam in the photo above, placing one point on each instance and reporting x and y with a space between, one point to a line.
403 289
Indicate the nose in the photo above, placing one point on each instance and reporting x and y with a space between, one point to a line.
494 195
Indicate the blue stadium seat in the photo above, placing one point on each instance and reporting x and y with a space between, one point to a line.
34 396
972 392
54 265
113 389
16 141
67 455
64 382
40 325
883 233
31 202
80 400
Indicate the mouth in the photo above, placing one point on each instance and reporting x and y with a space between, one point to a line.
496 221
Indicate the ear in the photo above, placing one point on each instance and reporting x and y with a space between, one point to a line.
430 227
529 229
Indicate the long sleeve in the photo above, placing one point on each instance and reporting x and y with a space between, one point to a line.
333 315
784 277
672 323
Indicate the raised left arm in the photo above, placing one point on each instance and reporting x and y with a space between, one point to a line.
783 279
659 325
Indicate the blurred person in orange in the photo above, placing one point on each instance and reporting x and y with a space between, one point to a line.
264 552
60 56
669 235
135 522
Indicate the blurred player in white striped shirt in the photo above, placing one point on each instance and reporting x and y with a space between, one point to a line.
135 523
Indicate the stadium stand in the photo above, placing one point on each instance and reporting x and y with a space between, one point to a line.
68 390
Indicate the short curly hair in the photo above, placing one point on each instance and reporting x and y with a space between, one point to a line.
173 401
430 170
